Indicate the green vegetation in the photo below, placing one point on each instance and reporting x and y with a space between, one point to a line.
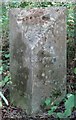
4 68
68 103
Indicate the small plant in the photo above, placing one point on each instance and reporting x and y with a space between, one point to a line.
69 105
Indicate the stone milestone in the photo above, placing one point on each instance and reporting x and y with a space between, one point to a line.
37 56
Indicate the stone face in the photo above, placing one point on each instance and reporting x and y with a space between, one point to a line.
38 56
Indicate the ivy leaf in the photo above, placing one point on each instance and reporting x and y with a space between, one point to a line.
48 101
67 113
60 115
52 110
69 104
70 101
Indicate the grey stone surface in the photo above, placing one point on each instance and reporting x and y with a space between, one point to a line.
38 56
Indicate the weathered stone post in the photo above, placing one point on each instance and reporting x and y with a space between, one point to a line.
38 56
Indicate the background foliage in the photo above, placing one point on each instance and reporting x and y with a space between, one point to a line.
71 50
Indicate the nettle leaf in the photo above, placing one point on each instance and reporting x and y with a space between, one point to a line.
48 101
74 70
